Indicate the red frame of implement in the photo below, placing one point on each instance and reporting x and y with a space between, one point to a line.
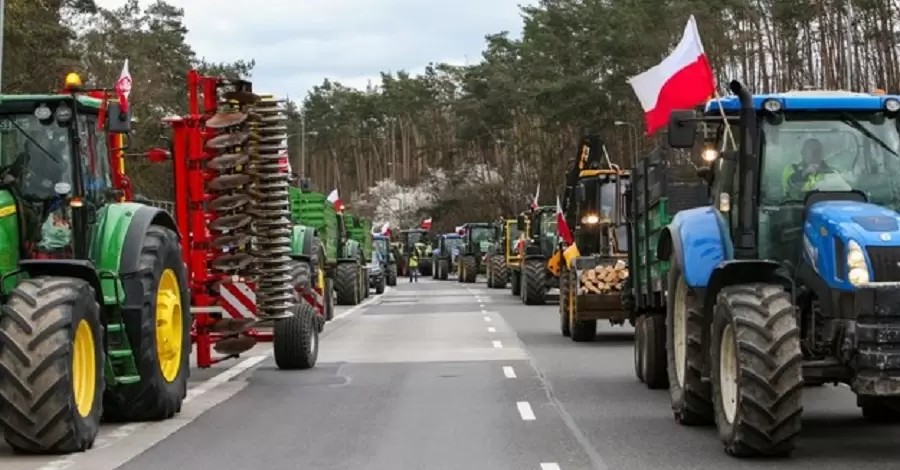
189 154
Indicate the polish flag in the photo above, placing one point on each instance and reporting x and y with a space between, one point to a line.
537 194
335 199
682 80
561 226
123 87
426 224
460 229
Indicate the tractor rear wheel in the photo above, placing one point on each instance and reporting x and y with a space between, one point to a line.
639 353
515 282
564 303
392 275
157 319
346 283
756 370
469 269
534 282
497 268
51 366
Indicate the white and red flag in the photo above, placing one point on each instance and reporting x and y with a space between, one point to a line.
123 87
682 80
537 195
426 224
561 226
335 199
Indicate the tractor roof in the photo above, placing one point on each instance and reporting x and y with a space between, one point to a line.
478 224
86 101
807 100
451 235
380 237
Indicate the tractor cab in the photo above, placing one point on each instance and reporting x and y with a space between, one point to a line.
477 238
382 245
60 163
541 232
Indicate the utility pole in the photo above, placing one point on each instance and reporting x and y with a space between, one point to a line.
302 142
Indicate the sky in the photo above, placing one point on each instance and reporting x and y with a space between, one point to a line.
297 44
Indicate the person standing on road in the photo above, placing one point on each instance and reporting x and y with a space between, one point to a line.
413 266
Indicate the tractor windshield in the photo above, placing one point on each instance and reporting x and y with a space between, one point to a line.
382 246
549 232
451 244
414 237
481 234
36 153
803 150
835 151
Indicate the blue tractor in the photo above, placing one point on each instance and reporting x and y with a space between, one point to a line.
791 276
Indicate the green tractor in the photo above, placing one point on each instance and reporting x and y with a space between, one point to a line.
417 240
477 240
96 317
359 230
344 267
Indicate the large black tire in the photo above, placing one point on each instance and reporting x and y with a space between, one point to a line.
498 274
489 281
427 267
391 275
469 269
295 340
534 282
346 284
515 282
690 394
364 282
639 352
756 337
564 303
653 352
329 299
156 396
379 289
37 374
444 270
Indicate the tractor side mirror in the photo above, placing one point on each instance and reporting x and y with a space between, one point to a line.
117 122
682 129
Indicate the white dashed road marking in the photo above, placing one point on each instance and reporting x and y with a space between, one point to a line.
497 344
487 318
549 466
491 329
509 372
525 411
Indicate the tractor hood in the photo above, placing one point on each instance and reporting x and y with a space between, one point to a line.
868 224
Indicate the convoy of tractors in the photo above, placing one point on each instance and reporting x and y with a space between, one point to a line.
742 285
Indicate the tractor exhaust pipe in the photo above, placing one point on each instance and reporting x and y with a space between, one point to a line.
745 242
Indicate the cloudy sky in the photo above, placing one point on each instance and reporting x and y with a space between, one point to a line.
296 44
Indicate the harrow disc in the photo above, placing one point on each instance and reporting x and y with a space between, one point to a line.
228 203
223 120
240 97
232 262
230 223
225 141
228 182
230 242
228 161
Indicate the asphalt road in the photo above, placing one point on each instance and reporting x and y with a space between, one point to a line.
441 375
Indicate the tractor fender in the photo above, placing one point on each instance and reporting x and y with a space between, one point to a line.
117 246
77 268
701 236
742 271
302 242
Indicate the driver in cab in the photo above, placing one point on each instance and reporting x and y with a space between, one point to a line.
802 177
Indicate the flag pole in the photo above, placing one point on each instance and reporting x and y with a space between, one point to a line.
728 134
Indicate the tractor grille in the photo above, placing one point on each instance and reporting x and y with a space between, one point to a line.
885 263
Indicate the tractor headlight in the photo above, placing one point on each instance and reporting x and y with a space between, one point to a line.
892 105
772 105
858 268
590 219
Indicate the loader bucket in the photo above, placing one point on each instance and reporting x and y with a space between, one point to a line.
598 288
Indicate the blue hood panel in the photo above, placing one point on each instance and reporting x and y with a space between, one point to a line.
866 223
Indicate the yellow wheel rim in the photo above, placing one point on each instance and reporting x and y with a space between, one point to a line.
84 368
321 280
169 328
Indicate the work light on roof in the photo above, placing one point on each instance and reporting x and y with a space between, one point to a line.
73 80
772 106
892 105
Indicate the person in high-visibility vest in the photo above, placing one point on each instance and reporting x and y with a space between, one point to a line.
413 266
802 177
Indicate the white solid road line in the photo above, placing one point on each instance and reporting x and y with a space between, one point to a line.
525 411
509 372
550 466
497 344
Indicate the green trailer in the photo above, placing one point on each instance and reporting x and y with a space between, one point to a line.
359 230
344 265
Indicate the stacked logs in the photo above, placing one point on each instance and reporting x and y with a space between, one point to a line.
603 279
271 226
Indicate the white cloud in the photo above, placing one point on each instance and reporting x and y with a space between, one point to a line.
296 44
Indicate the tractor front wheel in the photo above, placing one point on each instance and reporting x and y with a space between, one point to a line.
497 268
469 269
51 366
756 370
534 282
157 319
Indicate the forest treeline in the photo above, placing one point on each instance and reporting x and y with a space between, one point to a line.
515 115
